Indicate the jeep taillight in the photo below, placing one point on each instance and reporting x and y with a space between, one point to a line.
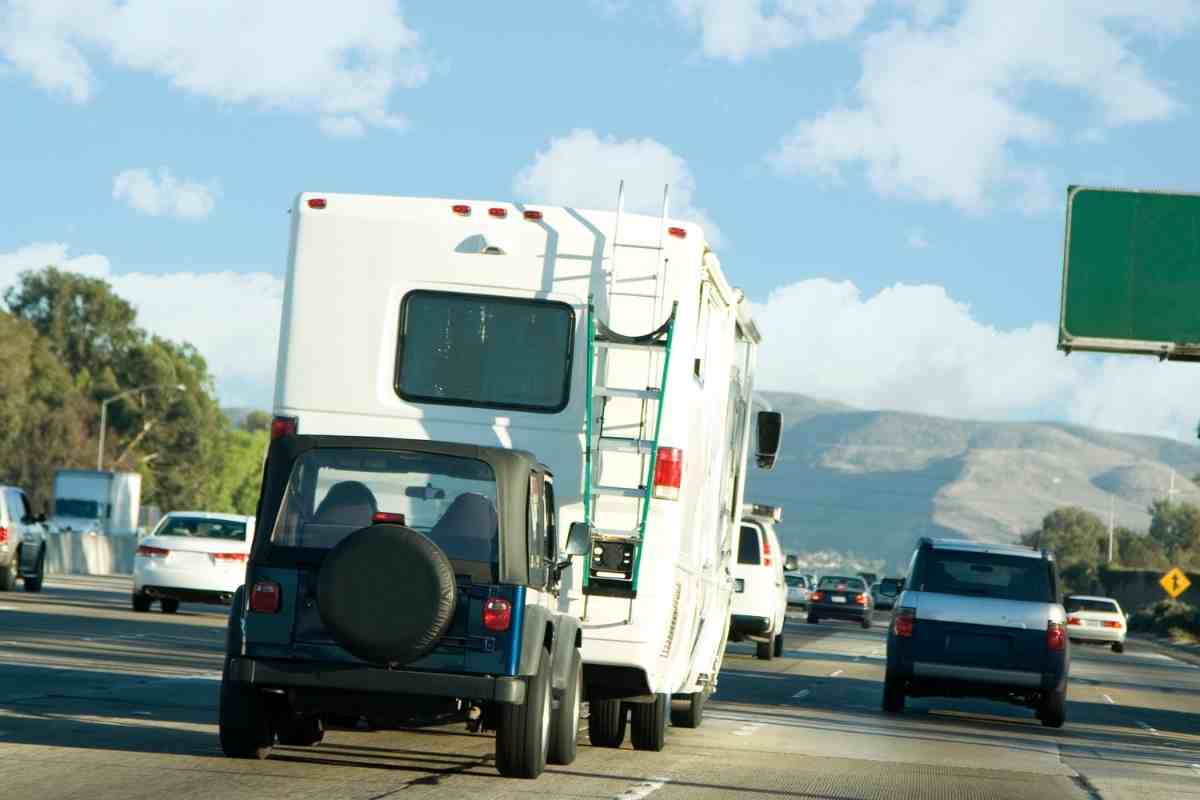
1056 636
904 621
3 535
264 597
497 614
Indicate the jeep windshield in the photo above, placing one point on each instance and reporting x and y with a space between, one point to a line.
333 492
982 574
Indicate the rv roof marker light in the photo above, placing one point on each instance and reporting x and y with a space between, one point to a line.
533 215
316 202
678 233
498 213
461 210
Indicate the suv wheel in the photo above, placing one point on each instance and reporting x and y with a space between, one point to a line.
8 574
297 731
648 728
523 735
564 723
169 605
893 694
693 715
141 603
777 650
34 584
1053 709
766 649
606 723
243 722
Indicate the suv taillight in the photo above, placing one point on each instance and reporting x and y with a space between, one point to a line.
1056 636
668 473
903 622
264 597
497 614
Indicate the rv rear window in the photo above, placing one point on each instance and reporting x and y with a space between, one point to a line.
486 351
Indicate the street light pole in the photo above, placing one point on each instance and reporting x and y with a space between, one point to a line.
104 412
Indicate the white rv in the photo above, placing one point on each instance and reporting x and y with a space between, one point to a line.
608 344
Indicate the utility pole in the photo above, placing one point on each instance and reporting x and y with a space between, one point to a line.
1112 519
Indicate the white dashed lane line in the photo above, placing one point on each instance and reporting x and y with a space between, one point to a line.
835 673
800 695
642 790
1108 700
1147 728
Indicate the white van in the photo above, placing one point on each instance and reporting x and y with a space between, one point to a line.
760 592
609 344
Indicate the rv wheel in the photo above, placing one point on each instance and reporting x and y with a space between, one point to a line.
648 728
606 723
693 714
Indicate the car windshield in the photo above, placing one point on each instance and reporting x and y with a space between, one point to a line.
982 574
87 509
1074 604
839 584
202 527
477 350
333 492
794 580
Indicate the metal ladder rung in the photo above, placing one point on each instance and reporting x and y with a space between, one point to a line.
657 344
631 394
618 491
638 246
623 444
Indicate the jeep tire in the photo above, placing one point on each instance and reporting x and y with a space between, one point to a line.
648 723
243 721
564 722
606 723
523 733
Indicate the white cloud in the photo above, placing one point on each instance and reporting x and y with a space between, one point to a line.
916 239
231 317
736 29
914 348
164 196
337 60
943 109
582 169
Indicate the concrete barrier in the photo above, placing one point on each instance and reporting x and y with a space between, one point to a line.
90 554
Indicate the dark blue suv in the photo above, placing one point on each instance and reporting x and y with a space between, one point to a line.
390 576
980 620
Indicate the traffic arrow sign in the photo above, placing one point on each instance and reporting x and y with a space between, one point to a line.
1175 583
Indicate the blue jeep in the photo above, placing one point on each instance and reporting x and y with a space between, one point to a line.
393 576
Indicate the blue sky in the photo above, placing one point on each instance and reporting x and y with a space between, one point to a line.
884 178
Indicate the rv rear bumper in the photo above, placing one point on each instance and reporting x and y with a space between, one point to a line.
280 674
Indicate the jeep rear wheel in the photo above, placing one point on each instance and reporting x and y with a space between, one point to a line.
606 723
564 723
523 735
243 722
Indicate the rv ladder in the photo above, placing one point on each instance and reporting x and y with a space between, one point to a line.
614 555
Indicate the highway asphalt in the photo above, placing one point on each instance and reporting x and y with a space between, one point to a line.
97 702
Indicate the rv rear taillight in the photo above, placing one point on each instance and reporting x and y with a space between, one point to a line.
229 558
388 518
284 426
316 202
147 551
678 233
264 597
3 535
462 211
1056 636
668 473
904 621
499 213
766 551
533 215
497 614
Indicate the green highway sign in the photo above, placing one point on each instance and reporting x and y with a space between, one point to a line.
1131 273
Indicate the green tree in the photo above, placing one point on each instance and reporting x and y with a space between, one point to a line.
1079 541
1175 527
256 421
241 473
1138 550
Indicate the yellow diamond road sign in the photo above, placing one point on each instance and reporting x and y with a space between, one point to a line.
1175 582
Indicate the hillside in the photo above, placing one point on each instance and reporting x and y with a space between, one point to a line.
871 482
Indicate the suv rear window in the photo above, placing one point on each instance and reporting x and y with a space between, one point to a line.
980 574
748 547
834 583
1074 604
333 492
486 351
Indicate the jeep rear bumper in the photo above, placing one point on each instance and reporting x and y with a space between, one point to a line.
279 674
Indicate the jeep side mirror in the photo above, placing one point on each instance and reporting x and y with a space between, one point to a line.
579 538
770 432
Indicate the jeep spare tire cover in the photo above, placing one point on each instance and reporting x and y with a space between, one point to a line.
387 594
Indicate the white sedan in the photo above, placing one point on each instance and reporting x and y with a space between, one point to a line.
798 590
191 556
1096 620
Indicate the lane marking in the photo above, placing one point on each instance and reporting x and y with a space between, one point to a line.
642 790
1108 699
800 695
1147 728
835 673
749 729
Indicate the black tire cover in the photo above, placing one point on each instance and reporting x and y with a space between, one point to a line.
386 593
